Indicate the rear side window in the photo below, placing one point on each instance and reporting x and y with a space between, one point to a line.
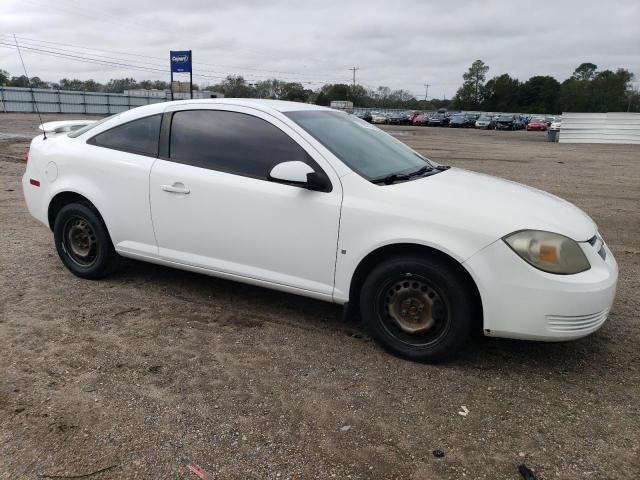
231 142
138 136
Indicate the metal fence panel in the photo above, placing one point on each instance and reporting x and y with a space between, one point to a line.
72 108
613 127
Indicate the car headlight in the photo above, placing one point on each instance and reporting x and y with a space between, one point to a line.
549 252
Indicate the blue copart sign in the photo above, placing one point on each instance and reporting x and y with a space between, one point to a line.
180 61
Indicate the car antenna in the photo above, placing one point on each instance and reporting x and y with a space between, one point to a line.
33 96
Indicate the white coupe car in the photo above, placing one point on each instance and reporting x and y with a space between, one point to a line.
317 202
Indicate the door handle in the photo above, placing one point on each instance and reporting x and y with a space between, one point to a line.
176 187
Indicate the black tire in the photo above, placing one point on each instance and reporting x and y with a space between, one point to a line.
421 280
82 241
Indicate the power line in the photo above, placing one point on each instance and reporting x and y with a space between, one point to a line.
207 73
111 62
82 48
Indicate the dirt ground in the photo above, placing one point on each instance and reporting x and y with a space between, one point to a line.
153 367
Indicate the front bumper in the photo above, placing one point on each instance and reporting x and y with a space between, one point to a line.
520 301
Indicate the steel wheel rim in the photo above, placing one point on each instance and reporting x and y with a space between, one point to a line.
79 241
414 311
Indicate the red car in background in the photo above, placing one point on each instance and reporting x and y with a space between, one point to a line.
537 124
412 116
421 119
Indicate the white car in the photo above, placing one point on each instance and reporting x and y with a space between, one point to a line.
379 118
319 203
556 124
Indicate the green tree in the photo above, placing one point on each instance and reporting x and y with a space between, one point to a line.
21 81
235 86
4 77
469 95
585 71
321 99
92 86
270 88
293 92
501 94
119 85
71 84
540 94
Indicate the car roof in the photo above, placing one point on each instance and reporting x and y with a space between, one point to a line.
261 103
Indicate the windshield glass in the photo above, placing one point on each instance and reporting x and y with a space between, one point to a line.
362 147
506 118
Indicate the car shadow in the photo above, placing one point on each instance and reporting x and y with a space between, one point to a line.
480 353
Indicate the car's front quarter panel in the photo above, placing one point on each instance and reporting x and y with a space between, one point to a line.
375 216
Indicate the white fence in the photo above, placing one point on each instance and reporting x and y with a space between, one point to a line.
15 99
600 128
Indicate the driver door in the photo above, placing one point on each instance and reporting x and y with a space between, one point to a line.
213 206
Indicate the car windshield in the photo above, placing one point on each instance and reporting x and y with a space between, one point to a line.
458 117
484 118
362 147
506 118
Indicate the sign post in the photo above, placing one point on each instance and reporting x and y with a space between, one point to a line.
181 62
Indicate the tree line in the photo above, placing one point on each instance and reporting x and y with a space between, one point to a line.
115 85
587 90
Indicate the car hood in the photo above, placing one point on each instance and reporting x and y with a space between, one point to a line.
491 206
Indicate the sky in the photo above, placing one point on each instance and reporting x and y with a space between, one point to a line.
400 44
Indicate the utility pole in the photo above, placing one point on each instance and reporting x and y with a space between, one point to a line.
354 75
426 90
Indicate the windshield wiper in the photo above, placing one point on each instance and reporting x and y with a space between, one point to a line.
389 179
420 171
395 177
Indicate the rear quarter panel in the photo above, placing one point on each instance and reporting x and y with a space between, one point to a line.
116 183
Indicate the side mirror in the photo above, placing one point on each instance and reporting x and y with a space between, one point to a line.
299 174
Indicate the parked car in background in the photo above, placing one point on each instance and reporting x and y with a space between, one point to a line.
460 120
485 121
471 118
435 120
446 118
556 124
397 118
506 122
411 116
364 115
378 117
537 124
345 224
421 120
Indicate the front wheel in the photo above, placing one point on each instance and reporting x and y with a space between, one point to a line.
417 308
83 243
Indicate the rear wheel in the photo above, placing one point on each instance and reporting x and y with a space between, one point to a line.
417 308
82 241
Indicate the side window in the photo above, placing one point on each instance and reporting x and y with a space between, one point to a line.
231 142
138 136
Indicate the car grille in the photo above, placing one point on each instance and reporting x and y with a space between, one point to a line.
576 324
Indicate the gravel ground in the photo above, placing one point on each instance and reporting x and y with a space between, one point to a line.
151 368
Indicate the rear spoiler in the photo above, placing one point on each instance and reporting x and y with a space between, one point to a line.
64 126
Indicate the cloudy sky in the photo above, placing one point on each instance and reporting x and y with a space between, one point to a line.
401 44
